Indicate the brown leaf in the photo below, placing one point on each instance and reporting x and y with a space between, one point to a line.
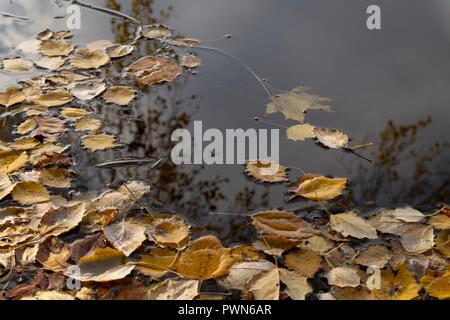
351 224
88 59
11 96
55 48
101 141
304 262
266 171
126 236
172 232
30 193
181 289
153 70
119 95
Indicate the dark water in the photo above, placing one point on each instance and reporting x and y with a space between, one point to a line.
380 81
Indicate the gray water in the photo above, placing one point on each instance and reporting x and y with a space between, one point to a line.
400 73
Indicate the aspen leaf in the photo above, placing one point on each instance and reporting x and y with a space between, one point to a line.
321 188
408 214
25 143
275 245
52 98
406 285
11 161
157 262
55 177
156 31
29 46
6 185
178 289
125 236
119 95
73 112
99 45
304 262
99 141
87 90
11 96
418 239
241 273
55 48
331 138
183 42
88 59
351 224
266 171
437 287
118 51
51 63
343 277
300 132
440 221
374 256
30 193
190 61
62 219
153 70
172 232
16 65
87 124
297 286
265 285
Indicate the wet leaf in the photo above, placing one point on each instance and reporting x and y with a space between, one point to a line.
266 171
11 161
351 224
88 59
282 223
48 127
183 42
157 262
418 239
241 273
331 138
443 243
99 142
16 65
374 256
204 258
6 185
301 132
297 286
343 277
295 103
99 45
304 262
385 222
25 143
87 90
103 265
55 48
153 70
29 46
73 112
119 95
125 236
156 31
118 51
30 193
321 188
51 63
172 232
11 96
181 289
190 61
52 98
55 177
87 124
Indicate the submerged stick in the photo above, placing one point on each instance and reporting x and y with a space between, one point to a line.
10 15
128 162
110 12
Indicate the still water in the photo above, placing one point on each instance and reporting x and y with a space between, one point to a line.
395 80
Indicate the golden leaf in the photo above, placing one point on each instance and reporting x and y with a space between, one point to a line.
11 96
11 161
54 48
204 258
119 95
295 103
343 277
87 124
87 90
440 221
275 245
55 177
16 65
418 239
119 50
437 287
73 112
190 61
156 31
25 143
406 285
172 232
376 255
297 286
351 224
99 45
241 273
88 59
265 285
183 42
157 262
153 70
30 193
267 171
300 132
52 98
178 289
98 142
6 185
331 138
304 262
321 188
51 63
282 223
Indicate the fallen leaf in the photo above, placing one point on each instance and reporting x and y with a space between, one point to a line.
418 239
443 243
190 61
172 232
119 95
25 143
304 262
11 96
87 124
437 287
61 220
321 188
178 289
29 46
297 286
99 45
408 214
101 141
275 245
157 262
241 273
282 223
15 65
183 42
118 51
55 48
351 224
30 193
48 127
26 126
87 90
156 31
204 258
88 59
266 171
11 161
295 103
265 285
53 255
374 256
300 132
6 185
73 112
385 222
51 63
153 70
55 177
331 138
343 277
50 295
440 221
125 236
406 285
52 98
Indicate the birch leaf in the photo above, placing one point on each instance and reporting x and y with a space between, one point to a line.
55 177
121 96
118 51
88 59
418 239
265 285
11 161
153 70
408 214
52 98
266 171
6 185
297 286
99 142
55 48
30 193
190 61
51 63
343 277
11 96
178 289
125 236
351 224
172 232
73 112
331 138
304 262
321 188
241 273
87 124
16 65
87 90
300 132
374 256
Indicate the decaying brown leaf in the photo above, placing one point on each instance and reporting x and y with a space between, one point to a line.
119 95
266 171
30 193
172 232
190 61
11 96
52 98
55 48
126 236
304 262
118 51
88 59
51 63
178 289
153 70
343 277
331 138
351 224
15 65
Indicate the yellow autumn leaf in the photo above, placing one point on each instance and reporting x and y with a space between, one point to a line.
30 193
321 188
89 59
300 132
15 65
54 48
119 95
266 171
87 124
11 96
11 161
73 112
99 141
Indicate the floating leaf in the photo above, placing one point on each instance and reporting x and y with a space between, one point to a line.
6 185
16 65
157 262
87 59
331 138
282 223
30 193
374 256
351 224
190 61
103 265
304 262
99 142
73 112
125 236
87 90
181 289
118 51
55 48
52 98
295 103
153 70
204 258
266 171
11 96
119 95
55 177
321 188
343 277
156 31
183 42
48 127
52 63
88 124
301 132
99 45
297 286
241 273
29 46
